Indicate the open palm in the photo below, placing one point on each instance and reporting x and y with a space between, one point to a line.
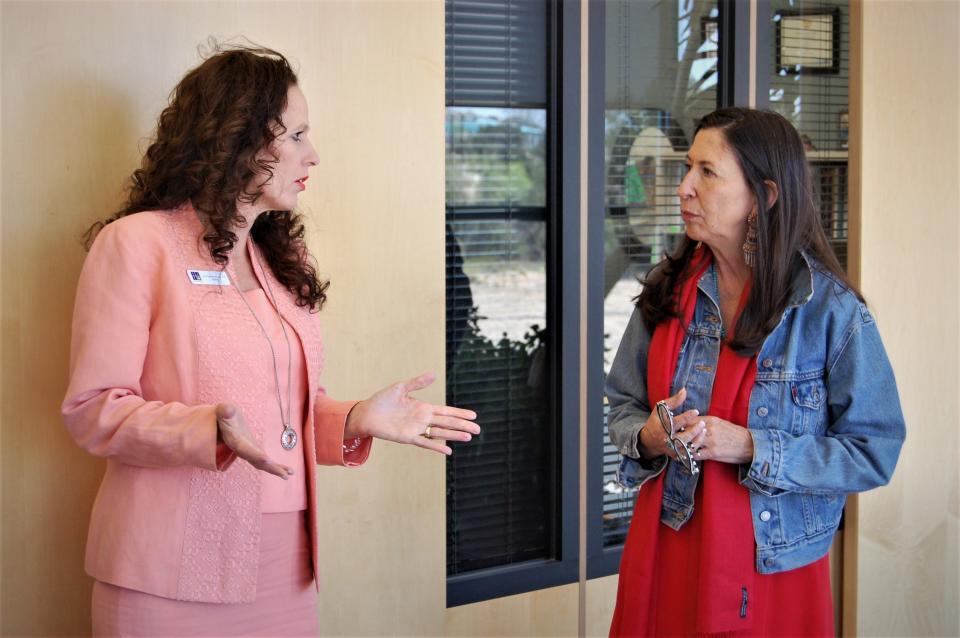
393 415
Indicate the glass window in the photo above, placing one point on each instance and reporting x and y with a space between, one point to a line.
498 487
501 488
809 70
661 76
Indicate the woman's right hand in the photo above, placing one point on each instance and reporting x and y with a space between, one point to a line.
653 439
233 432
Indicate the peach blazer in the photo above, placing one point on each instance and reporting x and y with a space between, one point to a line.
151 355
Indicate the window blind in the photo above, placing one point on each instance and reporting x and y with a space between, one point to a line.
501 488
809 85
496 53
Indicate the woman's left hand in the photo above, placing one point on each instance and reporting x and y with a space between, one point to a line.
393 415
722 441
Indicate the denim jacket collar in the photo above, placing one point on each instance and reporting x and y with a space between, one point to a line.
801 286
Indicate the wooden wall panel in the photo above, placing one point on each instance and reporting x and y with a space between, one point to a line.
601 599
547 612
908 169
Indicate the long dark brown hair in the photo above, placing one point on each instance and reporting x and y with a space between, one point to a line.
767 147
220 116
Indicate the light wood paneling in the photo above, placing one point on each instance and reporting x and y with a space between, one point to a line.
601 600
379 235
83 84
847 594
2 349
547 612
908 162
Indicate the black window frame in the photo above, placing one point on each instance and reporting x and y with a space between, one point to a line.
563 294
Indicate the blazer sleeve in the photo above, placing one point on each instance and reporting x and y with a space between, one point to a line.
330 419
104 409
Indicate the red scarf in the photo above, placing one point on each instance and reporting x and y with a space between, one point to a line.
691 581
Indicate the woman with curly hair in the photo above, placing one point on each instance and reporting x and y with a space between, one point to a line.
195 364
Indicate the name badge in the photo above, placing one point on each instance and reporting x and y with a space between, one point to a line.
208 277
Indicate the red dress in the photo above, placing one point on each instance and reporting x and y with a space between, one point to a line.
701 579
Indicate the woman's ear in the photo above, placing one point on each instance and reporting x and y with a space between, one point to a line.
773 192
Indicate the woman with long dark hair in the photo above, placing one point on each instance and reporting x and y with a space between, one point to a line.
750 394
195 362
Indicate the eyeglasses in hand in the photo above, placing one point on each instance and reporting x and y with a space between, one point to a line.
679 447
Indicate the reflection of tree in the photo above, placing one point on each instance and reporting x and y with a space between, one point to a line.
660 59
459 296
499 485
496 245
496 160
695 77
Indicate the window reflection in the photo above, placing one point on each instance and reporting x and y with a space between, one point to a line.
499 495
809 75
661 61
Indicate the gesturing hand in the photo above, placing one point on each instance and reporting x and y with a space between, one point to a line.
393 415
233 431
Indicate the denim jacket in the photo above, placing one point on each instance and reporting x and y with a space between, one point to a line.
824 414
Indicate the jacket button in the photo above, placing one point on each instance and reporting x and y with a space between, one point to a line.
764 516
762 411
769 562
768 363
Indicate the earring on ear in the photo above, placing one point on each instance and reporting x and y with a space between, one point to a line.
750 244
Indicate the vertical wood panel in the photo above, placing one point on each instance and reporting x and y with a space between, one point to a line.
847 594
380 237
601 600
546 612
908 532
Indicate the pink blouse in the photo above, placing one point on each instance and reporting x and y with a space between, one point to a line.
278 495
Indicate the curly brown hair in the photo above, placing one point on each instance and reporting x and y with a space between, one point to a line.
220 116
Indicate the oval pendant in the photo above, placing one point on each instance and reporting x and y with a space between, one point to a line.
289 437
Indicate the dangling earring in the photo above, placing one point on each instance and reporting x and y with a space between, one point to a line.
750 244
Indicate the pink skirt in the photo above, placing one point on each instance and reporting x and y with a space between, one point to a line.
286 603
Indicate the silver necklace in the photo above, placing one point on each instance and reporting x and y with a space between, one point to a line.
288 438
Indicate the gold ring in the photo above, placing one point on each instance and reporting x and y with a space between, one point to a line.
427 432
